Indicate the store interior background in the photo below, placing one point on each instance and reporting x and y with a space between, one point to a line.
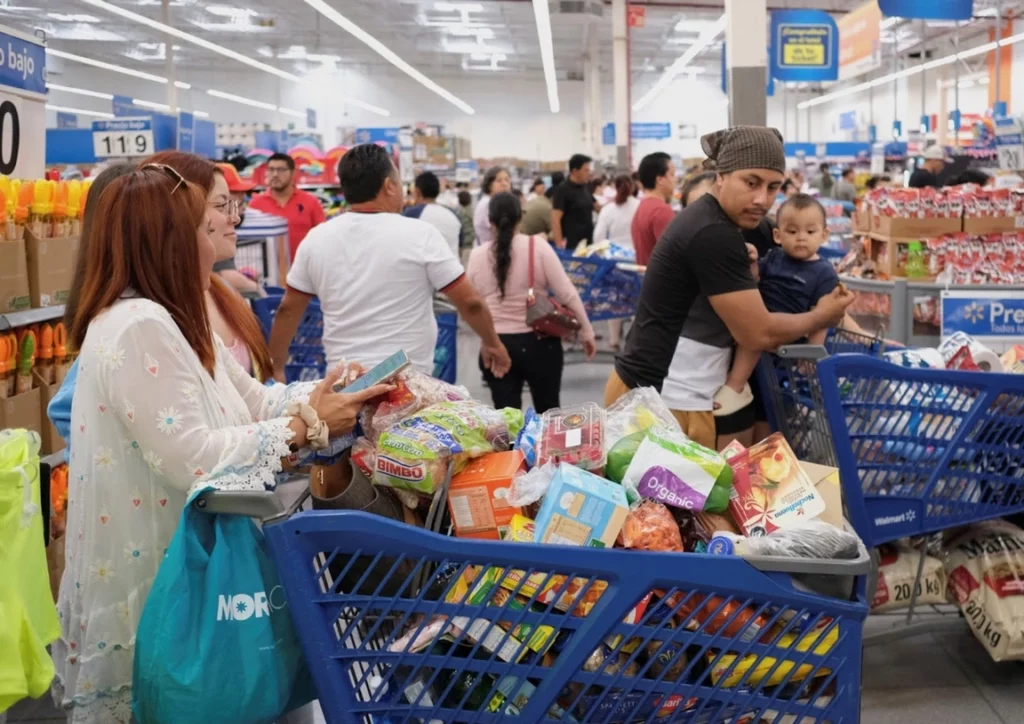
934 679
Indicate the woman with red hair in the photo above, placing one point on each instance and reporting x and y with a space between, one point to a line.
230 315
160 408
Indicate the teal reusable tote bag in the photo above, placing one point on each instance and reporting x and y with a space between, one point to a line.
215 640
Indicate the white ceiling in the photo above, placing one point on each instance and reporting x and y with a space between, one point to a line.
441 43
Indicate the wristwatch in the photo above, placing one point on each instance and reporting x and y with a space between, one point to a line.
317 434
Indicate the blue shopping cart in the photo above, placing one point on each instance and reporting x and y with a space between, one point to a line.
922 450
306 358
610 289
792 395
731 639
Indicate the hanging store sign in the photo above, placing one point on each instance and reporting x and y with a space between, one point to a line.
928 9
994 316
22 105
805 46
122 138
860 40
186 135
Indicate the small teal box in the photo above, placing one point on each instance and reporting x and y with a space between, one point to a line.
581 509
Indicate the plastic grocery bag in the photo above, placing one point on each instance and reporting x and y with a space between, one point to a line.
215 639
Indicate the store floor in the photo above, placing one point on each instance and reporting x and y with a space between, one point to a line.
945 678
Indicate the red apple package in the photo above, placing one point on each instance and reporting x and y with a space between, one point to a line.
573 435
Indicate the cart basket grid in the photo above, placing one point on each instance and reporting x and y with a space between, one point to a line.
922 450
724 638
792 394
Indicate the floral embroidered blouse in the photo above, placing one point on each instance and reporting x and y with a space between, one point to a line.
149 423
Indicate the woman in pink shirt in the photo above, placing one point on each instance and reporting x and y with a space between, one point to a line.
500 271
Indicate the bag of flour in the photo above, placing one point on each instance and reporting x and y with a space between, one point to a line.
897 574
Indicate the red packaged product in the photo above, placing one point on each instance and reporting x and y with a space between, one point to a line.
955 202
573 435
999 200
962 360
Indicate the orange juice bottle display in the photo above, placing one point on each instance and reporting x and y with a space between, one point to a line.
61 358
25 195
76 199
44 353
60 210
3 213
41 219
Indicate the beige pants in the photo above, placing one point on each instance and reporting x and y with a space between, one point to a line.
698 426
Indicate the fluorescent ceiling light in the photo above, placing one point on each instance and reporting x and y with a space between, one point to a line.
220 50
151 104
883 80
347 25
105 66
888 23
200 114
290 112
542 13
481 33
80 91
79 111
695 26
183 86
241 99
73 18
226 11
459 7
707 37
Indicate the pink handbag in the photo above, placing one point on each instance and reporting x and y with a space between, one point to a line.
547 316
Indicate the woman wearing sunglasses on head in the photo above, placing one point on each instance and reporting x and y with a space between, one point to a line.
160 406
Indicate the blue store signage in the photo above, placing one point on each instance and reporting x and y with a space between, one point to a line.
991 316
804 46
608 134
928 9
22 64
311 118
186 125
377 135
655 131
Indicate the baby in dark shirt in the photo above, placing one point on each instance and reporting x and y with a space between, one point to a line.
792 280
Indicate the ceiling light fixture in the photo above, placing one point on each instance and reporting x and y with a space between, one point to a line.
219 49
151 104
183 86
290 112
79 91
707 37
241 99
347 25
542 13
200 114
105 66
885 79
458 7
226 11
73 18
79 111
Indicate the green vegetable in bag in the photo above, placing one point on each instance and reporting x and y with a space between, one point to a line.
621 455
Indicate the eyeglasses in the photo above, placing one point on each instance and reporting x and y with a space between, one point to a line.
173 173
230 208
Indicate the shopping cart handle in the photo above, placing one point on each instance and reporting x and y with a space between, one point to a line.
802 351
260 504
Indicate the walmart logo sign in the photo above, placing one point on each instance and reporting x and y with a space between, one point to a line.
994 315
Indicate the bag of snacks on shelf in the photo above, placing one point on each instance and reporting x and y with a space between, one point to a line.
573 435
638 410
415 453
897 573
672 469
985 565
414 391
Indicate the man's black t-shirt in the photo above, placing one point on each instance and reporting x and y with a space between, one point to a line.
762 237
701 254
577 206
922 178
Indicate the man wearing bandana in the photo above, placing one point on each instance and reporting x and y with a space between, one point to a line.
700 295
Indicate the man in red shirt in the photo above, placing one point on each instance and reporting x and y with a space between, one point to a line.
301 208
658 177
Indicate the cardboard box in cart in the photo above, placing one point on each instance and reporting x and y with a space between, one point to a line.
51 266
894 227
14 291
21 411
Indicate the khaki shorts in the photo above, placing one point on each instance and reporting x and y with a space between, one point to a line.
698 426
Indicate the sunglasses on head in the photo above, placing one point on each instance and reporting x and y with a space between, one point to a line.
173 173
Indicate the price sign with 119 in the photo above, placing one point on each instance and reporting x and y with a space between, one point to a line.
123 137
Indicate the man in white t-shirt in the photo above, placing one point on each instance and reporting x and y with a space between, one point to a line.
425 207
375 273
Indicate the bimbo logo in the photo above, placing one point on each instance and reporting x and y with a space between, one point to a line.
242 606
395 469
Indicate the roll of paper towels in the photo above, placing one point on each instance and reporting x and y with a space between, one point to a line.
986 359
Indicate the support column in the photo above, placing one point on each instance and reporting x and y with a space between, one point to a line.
172 89
746 29
621 80
593 78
